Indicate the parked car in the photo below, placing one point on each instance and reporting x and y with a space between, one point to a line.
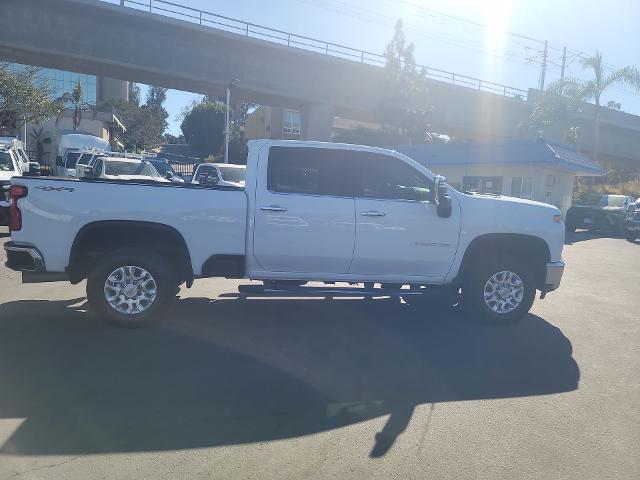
223 174
632 222
121 168
13 162
165 169
310 211
601 212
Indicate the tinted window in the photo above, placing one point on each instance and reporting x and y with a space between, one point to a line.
315 171
386 177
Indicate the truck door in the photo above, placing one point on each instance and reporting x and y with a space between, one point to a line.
304 212
398 231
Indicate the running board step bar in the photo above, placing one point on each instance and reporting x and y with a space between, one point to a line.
261 290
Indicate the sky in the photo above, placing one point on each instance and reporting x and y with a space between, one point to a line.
495 40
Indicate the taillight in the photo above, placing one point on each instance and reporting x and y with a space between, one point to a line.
16 192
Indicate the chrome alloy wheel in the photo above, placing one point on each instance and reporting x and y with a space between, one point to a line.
504 292
130 290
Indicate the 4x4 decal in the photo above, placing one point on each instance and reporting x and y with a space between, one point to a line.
47 188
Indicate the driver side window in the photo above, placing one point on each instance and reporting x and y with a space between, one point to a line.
386 177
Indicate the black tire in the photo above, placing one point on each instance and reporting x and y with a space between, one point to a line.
162 275
630 236
473 290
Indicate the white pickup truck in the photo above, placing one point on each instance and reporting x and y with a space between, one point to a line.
310 211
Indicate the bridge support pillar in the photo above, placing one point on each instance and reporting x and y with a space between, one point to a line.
317 122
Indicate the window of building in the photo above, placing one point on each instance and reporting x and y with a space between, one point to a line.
312 171
482 185
522 187
291 122
385 177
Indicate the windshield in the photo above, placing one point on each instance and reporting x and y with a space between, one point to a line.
607 201
163 168
72 159
115 167
6 164
230 174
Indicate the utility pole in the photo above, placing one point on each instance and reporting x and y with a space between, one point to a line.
544 64
564 64
227 130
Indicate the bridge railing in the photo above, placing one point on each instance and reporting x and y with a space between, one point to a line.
221 22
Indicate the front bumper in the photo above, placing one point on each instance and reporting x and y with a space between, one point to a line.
554 275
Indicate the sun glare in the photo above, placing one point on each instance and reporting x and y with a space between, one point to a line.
496 15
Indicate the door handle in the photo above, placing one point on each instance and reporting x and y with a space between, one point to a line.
373 213
273 208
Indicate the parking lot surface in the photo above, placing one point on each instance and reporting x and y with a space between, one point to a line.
311 388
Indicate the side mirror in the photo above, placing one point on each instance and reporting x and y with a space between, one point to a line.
168 175
59 162
441 197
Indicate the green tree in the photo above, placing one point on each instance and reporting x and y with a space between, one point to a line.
553 109
601 82
405 106
203 127
24 97
146 123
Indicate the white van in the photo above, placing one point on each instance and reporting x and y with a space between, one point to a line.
71 146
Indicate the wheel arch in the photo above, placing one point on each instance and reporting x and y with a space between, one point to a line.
96 238
528 248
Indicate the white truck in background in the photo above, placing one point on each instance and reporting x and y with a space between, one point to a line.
71 146
14 162
310 211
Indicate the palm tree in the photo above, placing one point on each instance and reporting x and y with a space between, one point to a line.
594 89
77 102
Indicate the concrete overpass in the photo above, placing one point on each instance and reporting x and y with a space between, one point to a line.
95 37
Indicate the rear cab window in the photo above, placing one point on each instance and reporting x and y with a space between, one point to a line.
310 171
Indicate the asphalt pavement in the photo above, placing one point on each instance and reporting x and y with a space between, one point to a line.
310 388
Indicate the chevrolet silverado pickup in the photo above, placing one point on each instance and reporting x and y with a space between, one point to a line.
359 221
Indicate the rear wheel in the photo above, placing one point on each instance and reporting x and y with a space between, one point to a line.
131 287
499 291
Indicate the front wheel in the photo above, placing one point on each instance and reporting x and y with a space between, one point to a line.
131 287
499 291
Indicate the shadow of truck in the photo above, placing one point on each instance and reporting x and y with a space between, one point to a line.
235 371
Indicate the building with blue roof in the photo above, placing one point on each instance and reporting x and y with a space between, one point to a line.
532 169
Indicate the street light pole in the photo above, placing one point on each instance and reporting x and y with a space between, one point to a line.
226 120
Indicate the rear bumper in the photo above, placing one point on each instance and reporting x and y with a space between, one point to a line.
23 258
554 275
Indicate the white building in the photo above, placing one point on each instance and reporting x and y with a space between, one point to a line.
530 169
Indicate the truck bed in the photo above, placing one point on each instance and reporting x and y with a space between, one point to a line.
212 220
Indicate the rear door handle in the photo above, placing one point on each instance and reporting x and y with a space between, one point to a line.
373 213
273 208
